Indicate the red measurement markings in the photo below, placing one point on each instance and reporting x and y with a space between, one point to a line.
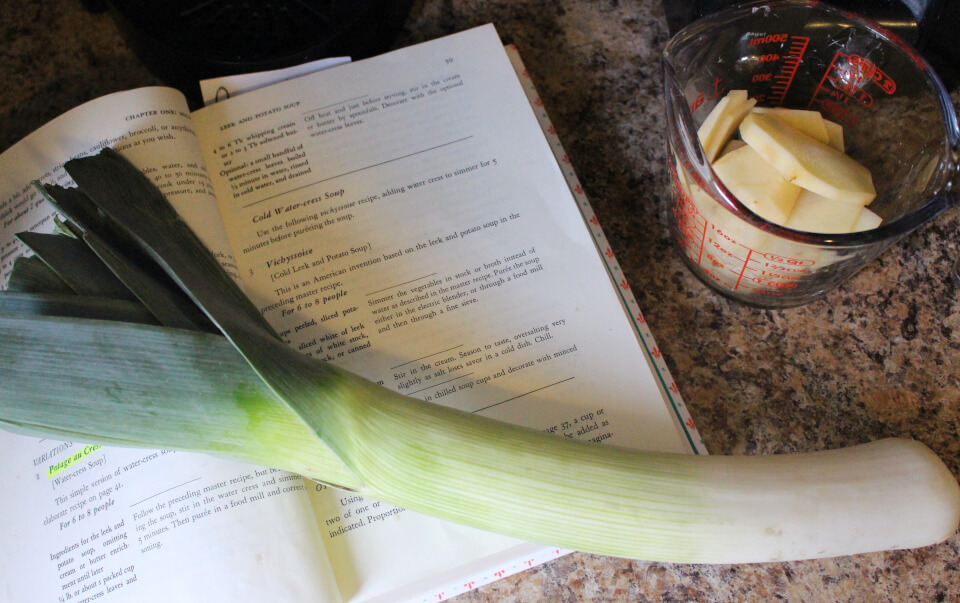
780 275
716 262
795 269
781 285
776 257
745 262
718 89
761 289
697 102
864 71
718 245
846 80
690 226
723 239
796 47
769 39
837 111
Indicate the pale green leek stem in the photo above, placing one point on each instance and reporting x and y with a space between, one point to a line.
169 388
884 495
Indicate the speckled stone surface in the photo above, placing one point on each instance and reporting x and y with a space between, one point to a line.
878 357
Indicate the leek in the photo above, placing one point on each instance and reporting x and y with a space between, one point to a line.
888 494
150 285
31 275
151 387
76 265
79 306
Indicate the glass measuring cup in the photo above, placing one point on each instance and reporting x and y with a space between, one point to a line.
897 117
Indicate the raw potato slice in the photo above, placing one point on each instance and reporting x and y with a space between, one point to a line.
807 162
815 213
835 132
808 122
757 184
722 121
726 222
732 145
866 221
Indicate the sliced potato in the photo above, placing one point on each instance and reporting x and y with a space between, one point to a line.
732 145
788 167
808 122
816 213
757 184
723 121
835 132
867 220
807 162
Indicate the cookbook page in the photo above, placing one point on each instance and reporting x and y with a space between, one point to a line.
151 127
404 217
88 522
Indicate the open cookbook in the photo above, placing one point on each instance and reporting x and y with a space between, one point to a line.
410 217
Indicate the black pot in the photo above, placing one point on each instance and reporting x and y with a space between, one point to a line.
183 41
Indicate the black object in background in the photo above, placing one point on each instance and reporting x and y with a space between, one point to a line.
184 41
931 26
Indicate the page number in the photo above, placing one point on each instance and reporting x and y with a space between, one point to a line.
448 60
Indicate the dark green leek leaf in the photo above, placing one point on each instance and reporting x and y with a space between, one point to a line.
31 274
160 295
78 306
137 272
81 214
128 198
76 264
63 228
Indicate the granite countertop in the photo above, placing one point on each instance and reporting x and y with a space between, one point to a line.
878 357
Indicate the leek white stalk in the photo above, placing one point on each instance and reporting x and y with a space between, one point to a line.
154 386
884 495
453 465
